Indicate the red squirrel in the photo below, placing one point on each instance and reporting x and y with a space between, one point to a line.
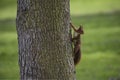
77 43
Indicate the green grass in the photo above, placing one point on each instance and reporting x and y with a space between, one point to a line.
84 7
8 56
100 43
99 66
7 9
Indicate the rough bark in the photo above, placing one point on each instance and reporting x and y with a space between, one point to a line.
45 51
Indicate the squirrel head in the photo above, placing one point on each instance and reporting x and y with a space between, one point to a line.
80 30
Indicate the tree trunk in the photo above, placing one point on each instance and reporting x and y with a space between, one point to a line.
45 51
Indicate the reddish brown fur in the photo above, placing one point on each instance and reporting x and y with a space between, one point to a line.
77 44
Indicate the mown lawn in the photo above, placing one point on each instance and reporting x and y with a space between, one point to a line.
100 43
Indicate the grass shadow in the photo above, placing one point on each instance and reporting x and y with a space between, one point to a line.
7 25
111 19
7 3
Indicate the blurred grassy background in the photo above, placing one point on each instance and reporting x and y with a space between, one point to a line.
100 43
